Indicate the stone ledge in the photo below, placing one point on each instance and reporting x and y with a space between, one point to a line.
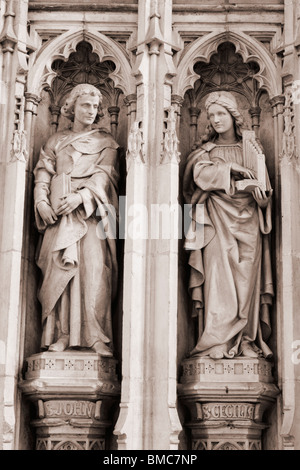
239 369
226 400
70 373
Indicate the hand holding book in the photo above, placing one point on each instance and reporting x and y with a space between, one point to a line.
60 187
249 182
262 197
46 213
69 203
239 170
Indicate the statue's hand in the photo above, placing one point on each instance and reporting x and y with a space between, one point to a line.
47 213
69 204
239 170
261 197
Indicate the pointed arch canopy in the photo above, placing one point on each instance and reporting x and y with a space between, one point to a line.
249 48
41 74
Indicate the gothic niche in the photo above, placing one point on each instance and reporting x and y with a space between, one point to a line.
82 66
225 71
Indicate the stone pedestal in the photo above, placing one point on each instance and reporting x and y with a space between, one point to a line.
73 393
226 400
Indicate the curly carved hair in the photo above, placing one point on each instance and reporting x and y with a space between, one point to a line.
67 109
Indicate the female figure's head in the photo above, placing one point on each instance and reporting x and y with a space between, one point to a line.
74 105
223 115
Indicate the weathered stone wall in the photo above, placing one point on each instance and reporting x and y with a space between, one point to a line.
155 46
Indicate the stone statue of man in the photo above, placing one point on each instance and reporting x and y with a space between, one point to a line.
75 186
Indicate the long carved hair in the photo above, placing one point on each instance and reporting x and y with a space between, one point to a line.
227 101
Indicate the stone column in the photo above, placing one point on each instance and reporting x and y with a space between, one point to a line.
177 102
8 41
255 112
290 336
55 112
289 221
148 416
114 114
13 157
130 102
28 249
194 114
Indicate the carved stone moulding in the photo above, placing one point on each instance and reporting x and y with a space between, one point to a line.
226 400
226 437
74 393
204 369
65 433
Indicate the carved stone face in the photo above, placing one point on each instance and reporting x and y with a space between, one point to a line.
85 110
220 119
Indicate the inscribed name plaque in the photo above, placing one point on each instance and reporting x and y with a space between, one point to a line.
216 411
74 393
227 400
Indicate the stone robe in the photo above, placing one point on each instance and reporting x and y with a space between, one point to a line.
231 280
79 266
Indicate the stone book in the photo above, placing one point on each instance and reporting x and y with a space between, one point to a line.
249 185
60 187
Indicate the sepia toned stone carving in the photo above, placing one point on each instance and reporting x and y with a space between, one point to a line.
135 149
226 445
19 143
288 152
215 411
170 151
74 393
76 181
237 369
230 278
207 46
227 400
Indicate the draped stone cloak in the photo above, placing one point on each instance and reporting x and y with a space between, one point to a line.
230 266
77 255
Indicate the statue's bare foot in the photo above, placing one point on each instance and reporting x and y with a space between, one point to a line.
101 348
61 344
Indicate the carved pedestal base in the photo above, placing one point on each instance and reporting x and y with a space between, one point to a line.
227 400
73 392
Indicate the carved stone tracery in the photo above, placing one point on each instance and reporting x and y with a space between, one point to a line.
288 152
225 67
83 66
136 145
41 73
224 413
205 47
227 70
170 144
74 403
19 143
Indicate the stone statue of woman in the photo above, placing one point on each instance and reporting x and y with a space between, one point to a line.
75 186
230 267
